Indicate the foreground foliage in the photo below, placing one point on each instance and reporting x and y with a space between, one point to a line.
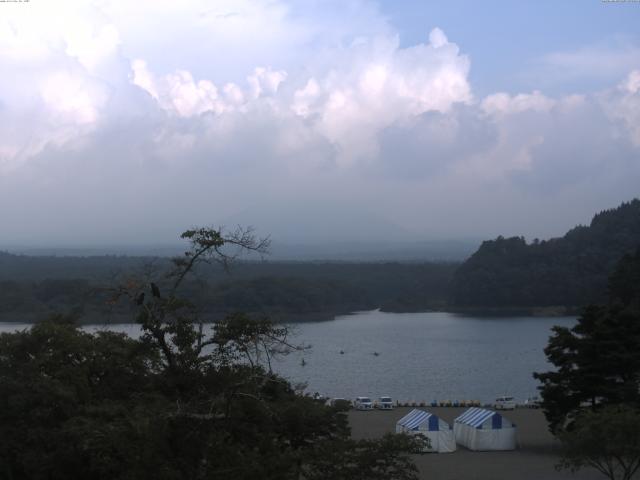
607 440
180 402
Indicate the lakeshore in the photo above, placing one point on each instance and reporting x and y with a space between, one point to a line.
422 357
534 459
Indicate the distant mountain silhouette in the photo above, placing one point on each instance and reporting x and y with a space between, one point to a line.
567 271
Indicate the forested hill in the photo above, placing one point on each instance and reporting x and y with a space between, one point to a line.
567 271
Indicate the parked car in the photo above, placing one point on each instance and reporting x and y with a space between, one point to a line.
363 403
532 402
385 403
505 403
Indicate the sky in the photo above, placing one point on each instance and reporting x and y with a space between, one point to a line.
314 121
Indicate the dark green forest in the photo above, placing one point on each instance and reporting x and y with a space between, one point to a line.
504 275
569 271
31 287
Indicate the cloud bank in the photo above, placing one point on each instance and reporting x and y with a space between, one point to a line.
128 122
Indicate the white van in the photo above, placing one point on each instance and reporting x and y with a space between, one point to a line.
505 403
385 403
363 403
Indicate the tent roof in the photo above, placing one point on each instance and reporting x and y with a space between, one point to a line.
474 417
414 419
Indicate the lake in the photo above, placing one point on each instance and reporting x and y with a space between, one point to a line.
420 356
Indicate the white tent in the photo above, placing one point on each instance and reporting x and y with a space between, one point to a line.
435 429
480 429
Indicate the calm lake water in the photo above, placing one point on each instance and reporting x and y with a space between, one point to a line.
421 356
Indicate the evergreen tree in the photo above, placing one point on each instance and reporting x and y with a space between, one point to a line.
598 360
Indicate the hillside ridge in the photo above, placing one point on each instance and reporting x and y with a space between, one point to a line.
566 271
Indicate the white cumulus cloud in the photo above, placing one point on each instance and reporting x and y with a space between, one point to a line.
130 115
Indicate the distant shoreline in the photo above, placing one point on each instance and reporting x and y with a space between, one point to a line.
550 311
95 318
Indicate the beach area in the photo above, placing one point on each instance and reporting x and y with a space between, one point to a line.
534 459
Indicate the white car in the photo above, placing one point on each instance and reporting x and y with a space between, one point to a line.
385 403
505 403
363 403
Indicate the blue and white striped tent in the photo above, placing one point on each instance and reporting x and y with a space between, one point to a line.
480 429
438 431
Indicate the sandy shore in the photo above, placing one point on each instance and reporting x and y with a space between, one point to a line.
533 460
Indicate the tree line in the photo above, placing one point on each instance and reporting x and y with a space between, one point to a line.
290 291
